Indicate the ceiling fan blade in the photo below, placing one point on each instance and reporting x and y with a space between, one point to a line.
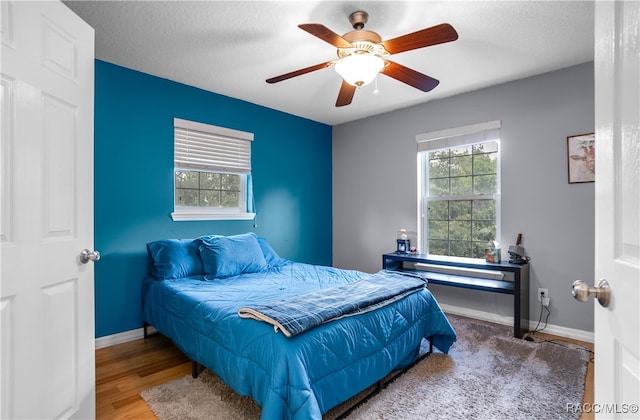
346 94
430 36
325 34
299 72
409 76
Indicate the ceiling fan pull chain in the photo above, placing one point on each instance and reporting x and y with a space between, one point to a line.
375 90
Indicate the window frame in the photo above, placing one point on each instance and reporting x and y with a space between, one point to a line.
449 139
244 211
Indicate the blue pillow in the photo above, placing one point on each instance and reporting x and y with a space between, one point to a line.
175 258
227 256
270 256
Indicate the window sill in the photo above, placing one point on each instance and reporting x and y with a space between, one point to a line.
186 216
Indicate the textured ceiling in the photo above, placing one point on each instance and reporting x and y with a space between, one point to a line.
231 47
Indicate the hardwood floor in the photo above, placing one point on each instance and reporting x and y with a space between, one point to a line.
125 370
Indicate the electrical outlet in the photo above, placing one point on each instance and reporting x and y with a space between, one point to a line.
542 293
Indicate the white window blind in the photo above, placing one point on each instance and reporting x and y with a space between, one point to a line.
206 147
460 136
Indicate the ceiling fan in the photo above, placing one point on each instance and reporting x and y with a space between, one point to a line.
362 55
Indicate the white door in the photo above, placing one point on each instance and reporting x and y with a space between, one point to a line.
46 213
617 192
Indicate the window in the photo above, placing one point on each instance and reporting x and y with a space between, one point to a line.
459 190
212 172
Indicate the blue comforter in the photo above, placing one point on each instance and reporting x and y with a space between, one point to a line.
300 377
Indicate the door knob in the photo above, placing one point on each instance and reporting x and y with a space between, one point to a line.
582 292
86 256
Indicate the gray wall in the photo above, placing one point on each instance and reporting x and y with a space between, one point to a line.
374 185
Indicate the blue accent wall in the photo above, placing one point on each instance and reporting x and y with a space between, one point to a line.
291 166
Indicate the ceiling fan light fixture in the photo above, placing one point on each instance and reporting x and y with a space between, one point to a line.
359 69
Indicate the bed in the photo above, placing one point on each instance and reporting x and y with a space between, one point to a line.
198 287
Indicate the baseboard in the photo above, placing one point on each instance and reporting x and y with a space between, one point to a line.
507 320
123 337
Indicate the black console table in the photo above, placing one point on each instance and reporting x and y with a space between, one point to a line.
445 272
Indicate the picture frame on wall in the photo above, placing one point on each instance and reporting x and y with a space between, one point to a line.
581 155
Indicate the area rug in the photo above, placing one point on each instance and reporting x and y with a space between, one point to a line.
488 374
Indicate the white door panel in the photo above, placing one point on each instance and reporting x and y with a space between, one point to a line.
47 302
617 192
